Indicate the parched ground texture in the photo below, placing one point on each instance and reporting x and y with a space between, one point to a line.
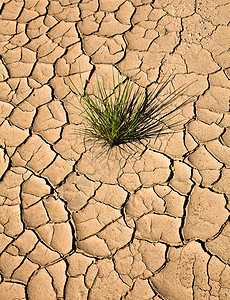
118 226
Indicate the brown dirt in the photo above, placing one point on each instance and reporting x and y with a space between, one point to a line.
154 226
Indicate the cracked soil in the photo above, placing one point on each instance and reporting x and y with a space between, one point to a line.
149 226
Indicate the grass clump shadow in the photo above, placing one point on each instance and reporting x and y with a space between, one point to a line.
125 116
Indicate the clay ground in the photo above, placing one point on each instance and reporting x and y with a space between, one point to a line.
154 225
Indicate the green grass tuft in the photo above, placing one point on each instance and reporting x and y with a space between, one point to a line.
127 116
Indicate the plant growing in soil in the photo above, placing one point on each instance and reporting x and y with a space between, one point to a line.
125 116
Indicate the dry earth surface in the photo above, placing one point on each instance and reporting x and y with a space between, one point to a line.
78 225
